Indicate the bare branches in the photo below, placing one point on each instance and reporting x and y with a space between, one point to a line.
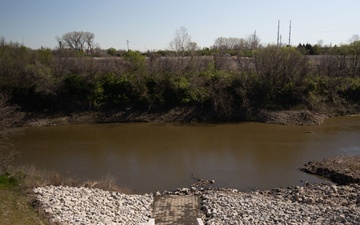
222 43
181 42
77 40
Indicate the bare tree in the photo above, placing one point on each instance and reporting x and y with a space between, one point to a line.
89 40
231 43
253 41
220 43
182 45
77 40
223 43
354 38
181 42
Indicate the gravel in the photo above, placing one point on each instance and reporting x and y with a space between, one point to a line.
72 205
310 204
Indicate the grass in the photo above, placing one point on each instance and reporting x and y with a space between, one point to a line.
16 194
15 207
31 177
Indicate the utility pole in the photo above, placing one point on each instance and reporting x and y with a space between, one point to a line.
254 40
290 34
278 34
127 43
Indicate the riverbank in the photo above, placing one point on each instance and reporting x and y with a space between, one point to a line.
340 169
288 117
323 203
311 204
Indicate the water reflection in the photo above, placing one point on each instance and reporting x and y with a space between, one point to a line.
149 157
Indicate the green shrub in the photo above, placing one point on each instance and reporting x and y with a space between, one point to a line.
135 58
352 92
279 77
76 92
119 91
7 181
111 51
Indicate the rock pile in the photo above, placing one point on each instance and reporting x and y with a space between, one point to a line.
312 204
183 191
72 205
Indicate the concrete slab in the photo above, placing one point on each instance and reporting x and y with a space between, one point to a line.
174 209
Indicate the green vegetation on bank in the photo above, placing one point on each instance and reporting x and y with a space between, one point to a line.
18 205
218 86
16 209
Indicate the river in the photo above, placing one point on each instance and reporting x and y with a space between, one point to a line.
147 157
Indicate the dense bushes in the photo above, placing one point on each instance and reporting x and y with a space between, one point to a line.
223 87
352 91
280 76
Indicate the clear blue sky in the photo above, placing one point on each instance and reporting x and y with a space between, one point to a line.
151 24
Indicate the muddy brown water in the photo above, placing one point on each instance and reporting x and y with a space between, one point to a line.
148 157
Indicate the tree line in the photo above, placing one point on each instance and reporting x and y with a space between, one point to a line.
216 86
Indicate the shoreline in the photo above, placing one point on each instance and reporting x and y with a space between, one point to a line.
177 115
317 203
342 170
322 203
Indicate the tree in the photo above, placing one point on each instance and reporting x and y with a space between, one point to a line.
181 42
354 38
77 40
89 40
220 43
193 46
135 58
280 73
233 43
182 45
253 41
223 43
354 50
111 51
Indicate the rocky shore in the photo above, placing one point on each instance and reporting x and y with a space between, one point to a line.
325 203
310 204
77 206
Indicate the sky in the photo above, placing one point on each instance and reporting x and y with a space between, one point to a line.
151 24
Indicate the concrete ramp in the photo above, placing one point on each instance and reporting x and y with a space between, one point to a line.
175 209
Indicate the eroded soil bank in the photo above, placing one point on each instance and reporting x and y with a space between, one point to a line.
289 117
340 169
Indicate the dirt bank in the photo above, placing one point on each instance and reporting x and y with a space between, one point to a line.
340 169
300 117
290 117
